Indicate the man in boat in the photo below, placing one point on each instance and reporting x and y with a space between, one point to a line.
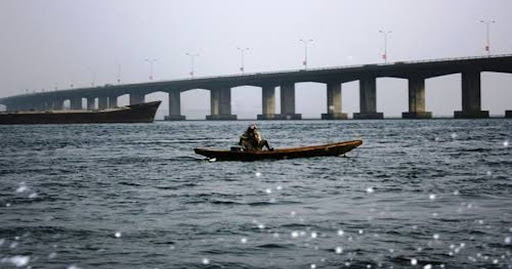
252 140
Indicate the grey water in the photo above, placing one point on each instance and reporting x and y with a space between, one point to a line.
416 194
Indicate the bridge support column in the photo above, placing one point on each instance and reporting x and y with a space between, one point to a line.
136 98
57 104
368 99
417 100
471 98
112 101
268 102
20 107
220 104
174 106
334 102
75 103
288 103
102 102
49 104
91 103
32 106
39 106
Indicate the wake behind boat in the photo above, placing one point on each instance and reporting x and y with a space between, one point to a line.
138 113
334 149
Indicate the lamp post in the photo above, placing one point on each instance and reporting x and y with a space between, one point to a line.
192 56
93 76
385 35
488 28
242 50
305 42
118 73
150 61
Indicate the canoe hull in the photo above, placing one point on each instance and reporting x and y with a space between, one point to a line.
334 149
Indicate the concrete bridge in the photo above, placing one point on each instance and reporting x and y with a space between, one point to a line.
220 90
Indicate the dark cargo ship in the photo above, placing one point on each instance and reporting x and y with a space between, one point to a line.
138 113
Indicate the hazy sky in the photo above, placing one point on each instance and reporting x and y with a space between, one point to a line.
59 42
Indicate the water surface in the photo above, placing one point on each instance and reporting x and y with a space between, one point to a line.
417 193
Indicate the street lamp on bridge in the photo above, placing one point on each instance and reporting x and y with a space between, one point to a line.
385 54
305 42
118 73
93 76
192 56
242 50
488 28
151 61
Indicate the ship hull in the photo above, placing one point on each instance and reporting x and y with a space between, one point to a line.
138 113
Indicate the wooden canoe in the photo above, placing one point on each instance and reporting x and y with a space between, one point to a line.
334 149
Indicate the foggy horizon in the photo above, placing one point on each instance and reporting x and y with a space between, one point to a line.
58 43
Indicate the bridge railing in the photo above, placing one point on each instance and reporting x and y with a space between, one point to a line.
344 67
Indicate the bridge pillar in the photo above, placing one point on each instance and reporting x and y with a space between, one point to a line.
49 103
33 106
13 108
220 104
471 98
136 98
91 103
20 106
41 104
334 102
268 103
112 101
288 103
416 100
368 99
17 107
44 106
174 106
57 104
102 102
38 106
75 103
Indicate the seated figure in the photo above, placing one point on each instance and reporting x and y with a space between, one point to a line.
252 140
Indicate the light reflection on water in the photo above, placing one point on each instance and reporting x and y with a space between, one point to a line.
422 193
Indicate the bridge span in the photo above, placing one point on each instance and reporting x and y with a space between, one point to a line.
220 90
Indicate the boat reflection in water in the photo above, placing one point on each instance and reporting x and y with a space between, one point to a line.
138 113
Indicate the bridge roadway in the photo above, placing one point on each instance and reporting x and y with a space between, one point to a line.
220 89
